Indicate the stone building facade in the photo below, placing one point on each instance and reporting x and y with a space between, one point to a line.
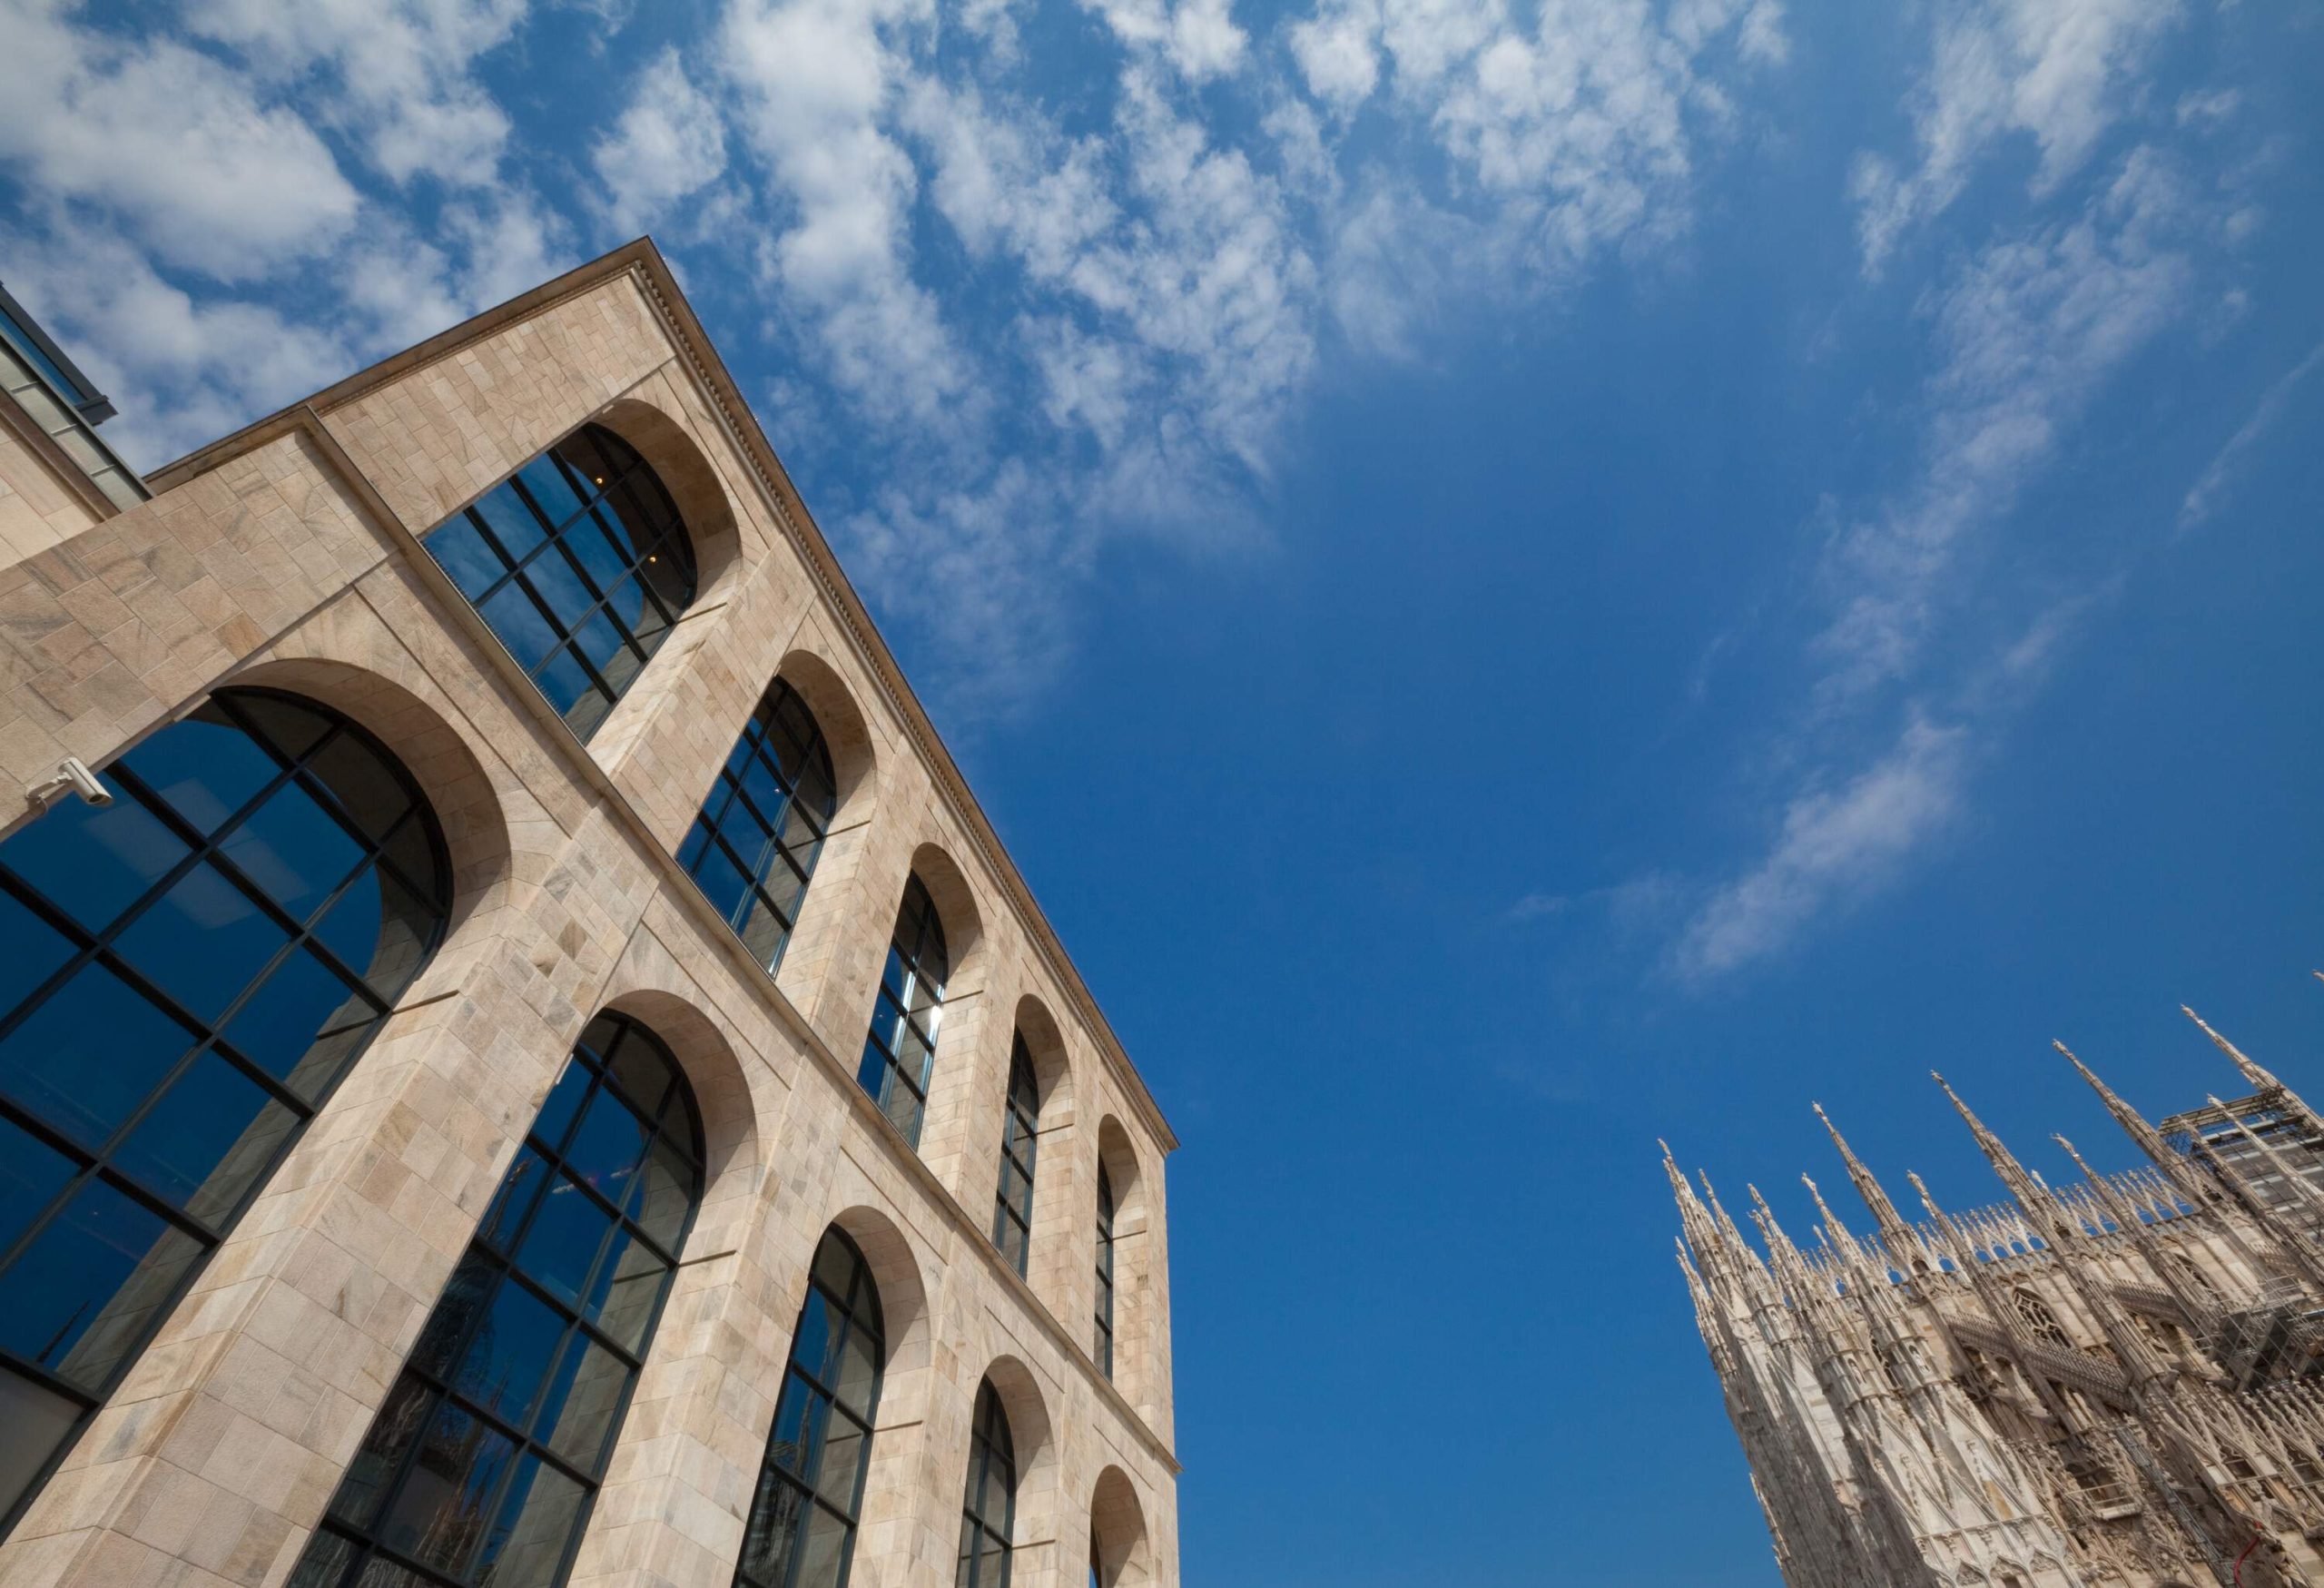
2116 1382
200 1409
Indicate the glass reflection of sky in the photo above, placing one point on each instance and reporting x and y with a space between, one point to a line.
185 972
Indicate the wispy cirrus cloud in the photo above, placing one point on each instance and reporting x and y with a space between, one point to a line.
1834 845
2060 73
2203 499
2022 334
1063 326
1173 279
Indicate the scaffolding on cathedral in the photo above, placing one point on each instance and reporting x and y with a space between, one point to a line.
2112 1384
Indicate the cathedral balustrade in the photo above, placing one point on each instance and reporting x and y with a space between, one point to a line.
2100 1380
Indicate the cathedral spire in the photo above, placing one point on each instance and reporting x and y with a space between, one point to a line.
1726 1226
2012 1174
1693 1218
2198 1190
1790 1266
2258 1077
2049 1219
1894 1233
1835 1232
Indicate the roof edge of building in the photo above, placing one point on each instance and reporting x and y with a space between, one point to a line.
643 258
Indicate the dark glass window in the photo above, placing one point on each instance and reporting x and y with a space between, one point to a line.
1105 1339
988 1513
802 1531
1093 1557
482 1464
753 848
1012 1212
186 974
580 563
900 1050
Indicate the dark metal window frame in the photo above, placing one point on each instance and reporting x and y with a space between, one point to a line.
990 1448
729 811
54 364
678 1102
1104 1351
1019 1148
203 1037
630 479
923 962
857 1311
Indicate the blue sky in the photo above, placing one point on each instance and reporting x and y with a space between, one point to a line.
1518 578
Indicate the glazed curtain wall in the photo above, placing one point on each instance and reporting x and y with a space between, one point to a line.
481 1466
186 974
753 848
900 1050
809 1495
580 565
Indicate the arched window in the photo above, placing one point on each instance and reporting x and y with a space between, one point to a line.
988 1513
1012 1212
482 1462
900 1050
754 846
1093 1556
802 1531
2038 1319
580 563
186 974
1105 1342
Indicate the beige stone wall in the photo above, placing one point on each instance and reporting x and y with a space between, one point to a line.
38 504
286 557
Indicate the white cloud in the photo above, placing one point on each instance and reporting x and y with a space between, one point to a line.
1198 37
1339 51
1568 127
1834 844
818 81
1205 43
395 74
207 174
2021 336
2060 71
183 371
1393 261
669 144
2203 499
2027 330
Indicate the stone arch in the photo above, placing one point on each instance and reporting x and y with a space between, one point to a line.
1033 1432
693 482
1057 1270
1045 1042
971 1047
897 1477
847 732
956 906
903 1314
1119 1159
1133 1245
1118 1541
467 802
650 991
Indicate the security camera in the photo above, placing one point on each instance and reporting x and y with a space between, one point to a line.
84 782
73 777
